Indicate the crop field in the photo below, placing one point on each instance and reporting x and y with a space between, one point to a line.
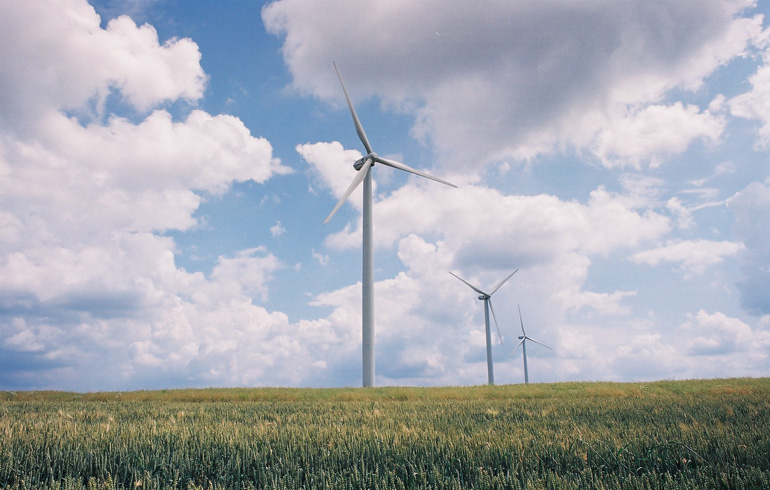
707 434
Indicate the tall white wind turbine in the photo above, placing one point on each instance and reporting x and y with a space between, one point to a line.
523 343
363 166
487 299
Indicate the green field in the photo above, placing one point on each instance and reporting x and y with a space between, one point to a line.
707 434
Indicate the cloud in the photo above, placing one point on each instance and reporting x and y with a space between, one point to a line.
715 334
603 303
724 168
188 329
248 272
521 79
82 191
48 47
24 341
714 344
277 229
328 163
655 132
648 354
752 206
694 255
684 217
485 225
87 272
755 104
321 258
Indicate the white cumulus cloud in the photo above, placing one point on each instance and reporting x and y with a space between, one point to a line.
86 271
524 78
693 255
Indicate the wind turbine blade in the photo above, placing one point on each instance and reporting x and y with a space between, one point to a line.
359 177
522 323
499 335
469 284
520 342
535 341
503 282
407 168
359 128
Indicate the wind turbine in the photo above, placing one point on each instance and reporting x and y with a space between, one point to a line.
524 337
487 299
363 166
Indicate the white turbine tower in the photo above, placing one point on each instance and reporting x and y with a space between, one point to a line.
523 343
487 299
363 167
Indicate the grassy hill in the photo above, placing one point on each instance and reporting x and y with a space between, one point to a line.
669 434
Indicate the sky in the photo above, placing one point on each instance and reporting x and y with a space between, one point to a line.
166 167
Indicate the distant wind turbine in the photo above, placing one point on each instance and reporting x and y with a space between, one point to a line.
487 299
363 167
523 343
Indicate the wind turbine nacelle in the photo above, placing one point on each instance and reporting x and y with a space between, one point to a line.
361 161
483 297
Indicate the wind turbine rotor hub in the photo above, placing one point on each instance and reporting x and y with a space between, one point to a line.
360 163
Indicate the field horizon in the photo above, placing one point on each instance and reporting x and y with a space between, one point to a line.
714 386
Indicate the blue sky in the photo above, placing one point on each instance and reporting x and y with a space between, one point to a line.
166 167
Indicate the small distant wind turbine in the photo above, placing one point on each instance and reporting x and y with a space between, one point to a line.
523 343
363 166
487 299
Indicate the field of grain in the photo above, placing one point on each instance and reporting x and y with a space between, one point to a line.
706 434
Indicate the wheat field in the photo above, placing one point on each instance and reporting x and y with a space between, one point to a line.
706 434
